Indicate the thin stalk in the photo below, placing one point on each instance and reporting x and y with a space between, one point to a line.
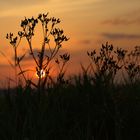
15 51
32 53
22 72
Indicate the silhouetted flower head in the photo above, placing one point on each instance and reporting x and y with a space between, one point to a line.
12 39
120 53
65 57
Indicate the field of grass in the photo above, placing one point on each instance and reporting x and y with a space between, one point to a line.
80 111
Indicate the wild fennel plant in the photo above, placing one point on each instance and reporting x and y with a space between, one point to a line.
46 53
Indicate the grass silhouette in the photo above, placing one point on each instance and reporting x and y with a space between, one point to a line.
91 106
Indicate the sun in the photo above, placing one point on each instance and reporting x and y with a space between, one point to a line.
42 73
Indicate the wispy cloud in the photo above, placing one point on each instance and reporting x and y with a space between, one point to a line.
17 7
122 21
131 17
86 41
36 51
13 3
120 36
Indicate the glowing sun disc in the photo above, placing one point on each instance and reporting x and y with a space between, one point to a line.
42 73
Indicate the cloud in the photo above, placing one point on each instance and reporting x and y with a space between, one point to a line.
121 36
4 65
17 8
28 57
14 5
86 41
128 18
20 3
118 21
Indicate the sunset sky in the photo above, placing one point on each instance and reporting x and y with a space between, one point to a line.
88 24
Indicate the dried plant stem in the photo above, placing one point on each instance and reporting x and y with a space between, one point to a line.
32 53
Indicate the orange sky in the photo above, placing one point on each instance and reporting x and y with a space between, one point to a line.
88 23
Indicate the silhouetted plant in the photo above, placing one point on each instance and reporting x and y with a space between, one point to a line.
61 62
47 51
132 65
105 65
15 42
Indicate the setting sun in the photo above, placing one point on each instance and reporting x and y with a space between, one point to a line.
42 73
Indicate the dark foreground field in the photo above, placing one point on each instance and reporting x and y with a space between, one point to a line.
78 111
